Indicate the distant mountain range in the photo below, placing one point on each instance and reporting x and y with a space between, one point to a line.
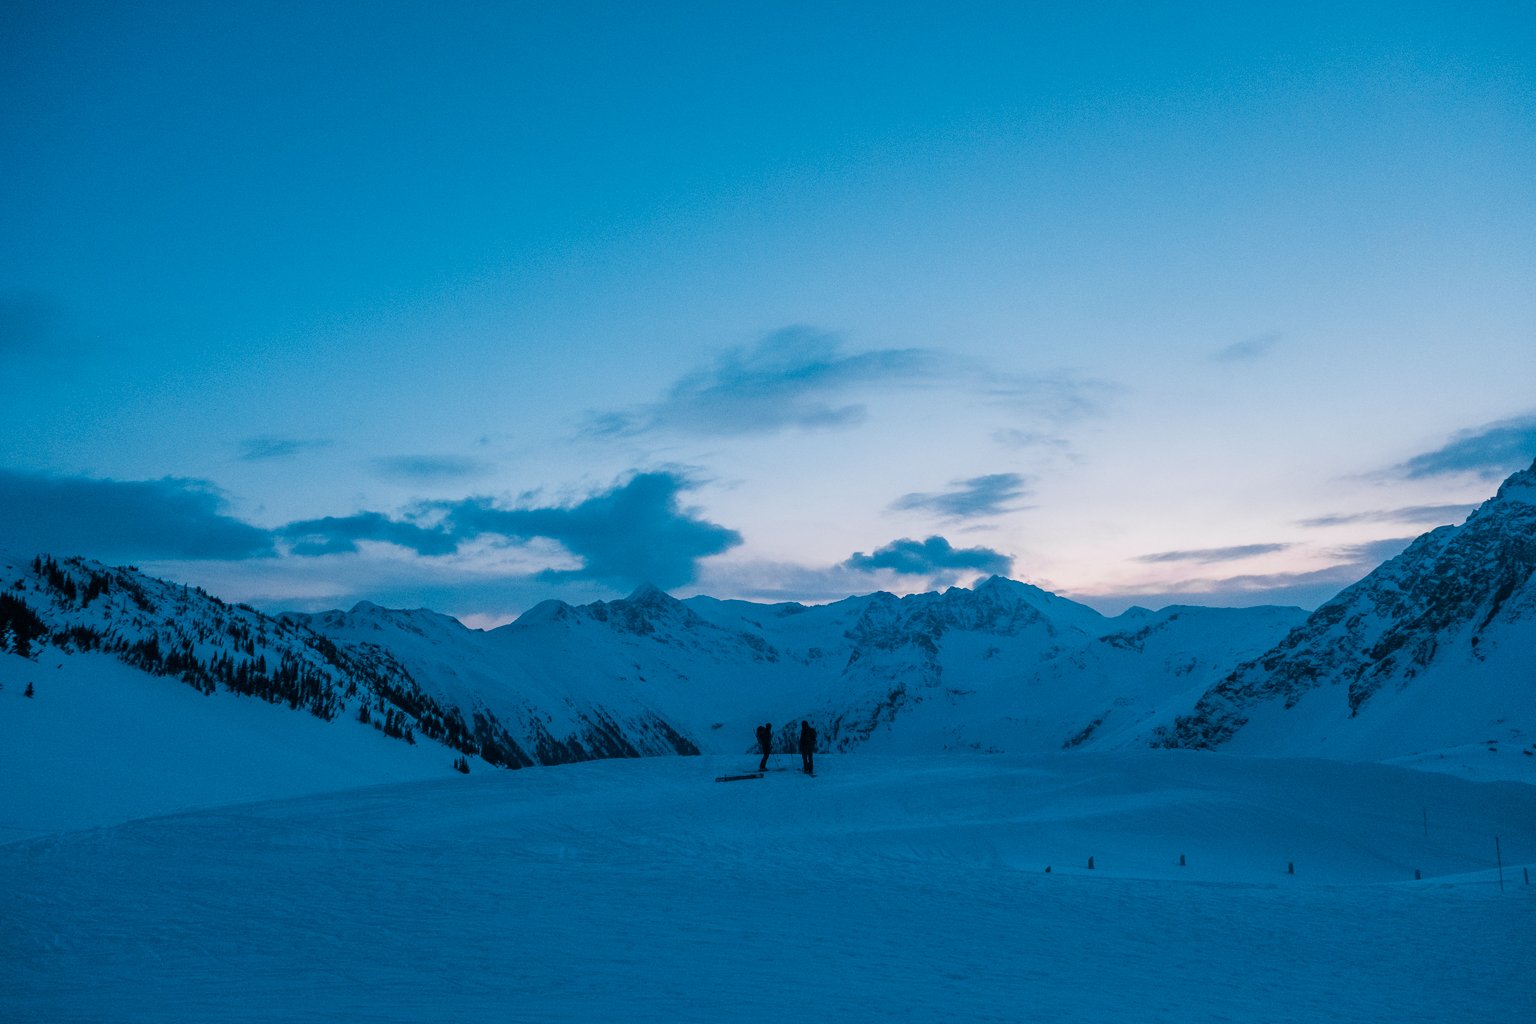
1435 649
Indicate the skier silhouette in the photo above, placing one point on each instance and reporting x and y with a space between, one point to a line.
807 748
765 744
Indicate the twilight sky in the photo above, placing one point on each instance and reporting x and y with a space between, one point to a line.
469 305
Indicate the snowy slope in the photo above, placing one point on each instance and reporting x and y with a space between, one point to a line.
550 718
1107 693
185 636
885 888
139 883
1434 650
101 743
927 672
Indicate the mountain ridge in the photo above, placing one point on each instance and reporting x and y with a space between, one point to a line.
1419 652
1457 598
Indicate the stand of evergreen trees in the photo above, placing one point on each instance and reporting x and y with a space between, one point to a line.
193 636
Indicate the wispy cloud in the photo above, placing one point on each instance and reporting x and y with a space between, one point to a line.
976 498
1229 554
1248 350
1432 515
1304 589
1011 437
1373 552
1058 397
1491 452
795 377
127 520
806 379
270 448
934 557
431 468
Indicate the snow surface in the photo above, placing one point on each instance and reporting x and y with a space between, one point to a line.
102 743
171 856
886 887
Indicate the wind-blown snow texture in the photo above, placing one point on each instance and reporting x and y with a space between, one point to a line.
909 888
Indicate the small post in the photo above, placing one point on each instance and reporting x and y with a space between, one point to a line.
1417 875
1047 869
1090 863
1527 876
1500 855
1181 860
1290 867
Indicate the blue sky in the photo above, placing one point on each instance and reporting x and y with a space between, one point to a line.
478 304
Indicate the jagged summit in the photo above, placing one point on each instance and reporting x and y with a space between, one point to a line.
1418 645
1520 488
649 594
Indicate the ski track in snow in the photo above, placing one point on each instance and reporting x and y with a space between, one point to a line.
909 888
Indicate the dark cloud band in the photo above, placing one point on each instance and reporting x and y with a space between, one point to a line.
115 519
635 532
932 557
1491 452
264 449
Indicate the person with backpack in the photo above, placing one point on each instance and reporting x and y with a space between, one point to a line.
765 744
807 748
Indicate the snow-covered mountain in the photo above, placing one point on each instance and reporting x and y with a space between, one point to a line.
76 606
525 710
1003 666
1435 649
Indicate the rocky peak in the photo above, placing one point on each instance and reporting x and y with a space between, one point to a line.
1520 488
643 611
1445 596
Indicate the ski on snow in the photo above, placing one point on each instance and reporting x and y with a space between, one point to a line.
756 775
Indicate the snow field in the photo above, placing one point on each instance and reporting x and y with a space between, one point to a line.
102 743
909 888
